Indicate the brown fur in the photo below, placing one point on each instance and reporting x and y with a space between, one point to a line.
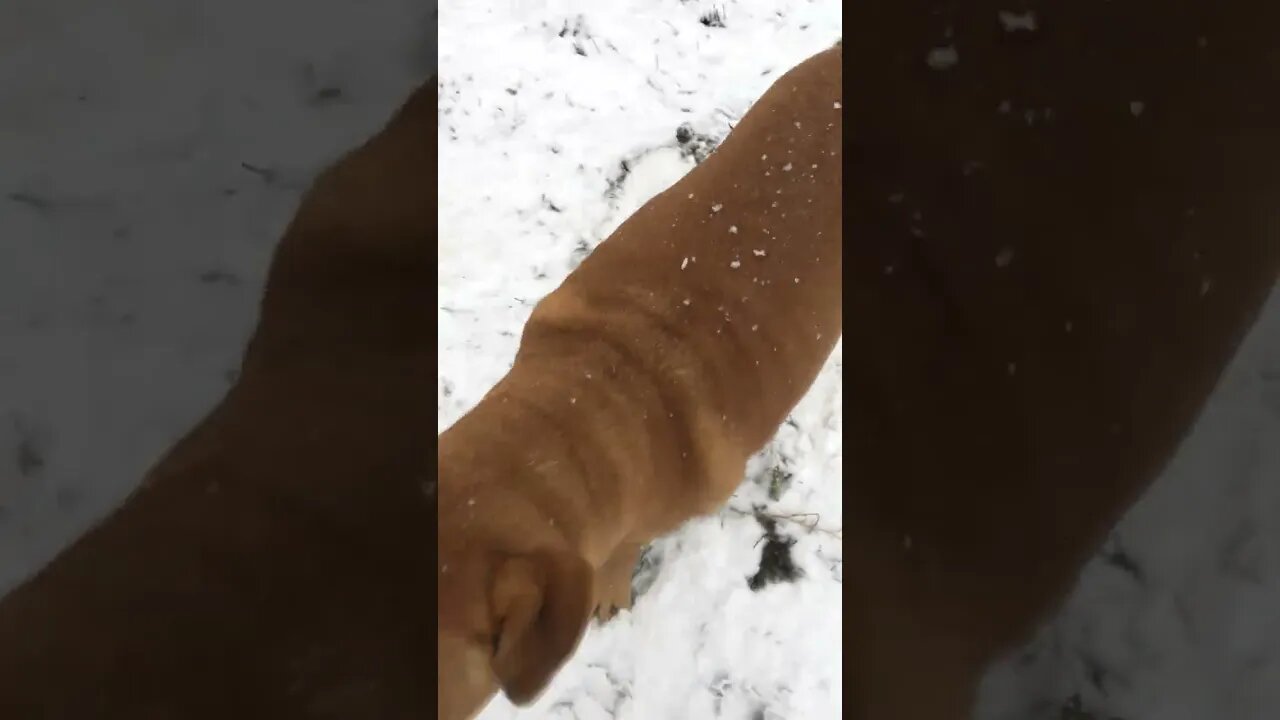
275 563
638 392
1045 298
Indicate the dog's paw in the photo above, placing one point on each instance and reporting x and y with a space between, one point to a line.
611 599
613 582
608 611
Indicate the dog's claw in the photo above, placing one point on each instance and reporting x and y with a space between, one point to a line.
605 613
613 601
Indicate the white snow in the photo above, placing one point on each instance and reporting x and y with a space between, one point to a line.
943 58
1013 22
1004 257
133 242
699 643
1199 637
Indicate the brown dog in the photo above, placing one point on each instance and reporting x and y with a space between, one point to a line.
640 388
1062 223
275 564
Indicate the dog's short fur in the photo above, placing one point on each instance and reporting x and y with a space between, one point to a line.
640 388
1056 244
276 562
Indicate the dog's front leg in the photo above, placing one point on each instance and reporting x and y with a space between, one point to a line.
613 580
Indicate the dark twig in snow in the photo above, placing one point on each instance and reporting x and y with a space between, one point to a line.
808 520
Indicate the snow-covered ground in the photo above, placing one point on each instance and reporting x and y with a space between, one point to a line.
151 152
149 160
557 121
